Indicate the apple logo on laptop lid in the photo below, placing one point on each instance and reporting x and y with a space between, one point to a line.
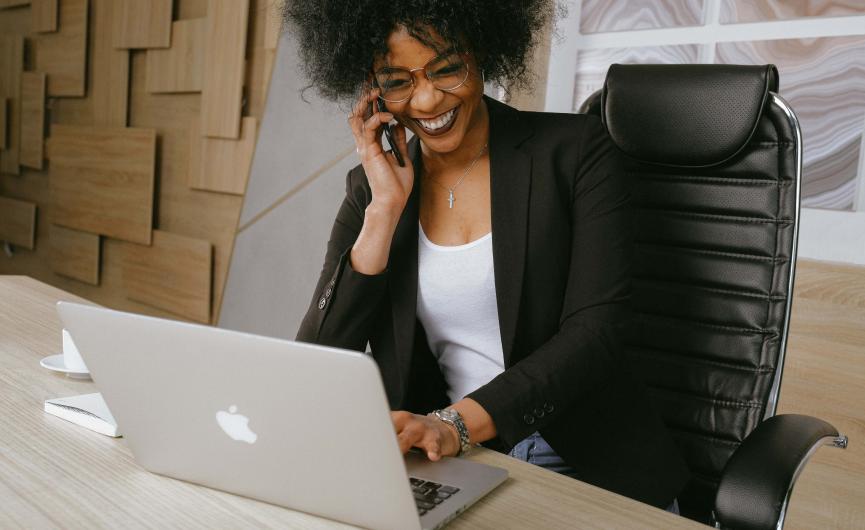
235 425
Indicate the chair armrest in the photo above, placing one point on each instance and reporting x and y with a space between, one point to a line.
757 481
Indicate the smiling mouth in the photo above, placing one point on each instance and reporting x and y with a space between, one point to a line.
440 124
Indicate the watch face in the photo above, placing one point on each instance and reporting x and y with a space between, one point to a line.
450 414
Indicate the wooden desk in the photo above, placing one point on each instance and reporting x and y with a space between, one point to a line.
56 474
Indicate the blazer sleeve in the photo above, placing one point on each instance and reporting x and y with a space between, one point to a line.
586 348
345 301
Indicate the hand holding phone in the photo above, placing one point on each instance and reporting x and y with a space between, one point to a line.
390 174
388 133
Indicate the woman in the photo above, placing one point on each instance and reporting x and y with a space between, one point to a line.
489 273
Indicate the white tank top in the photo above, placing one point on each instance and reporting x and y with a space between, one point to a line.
456 303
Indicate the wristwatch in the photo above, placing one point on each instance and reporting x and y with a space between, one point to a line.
452 417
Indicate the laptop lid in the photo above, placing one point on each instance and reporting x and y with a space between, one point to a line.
217 407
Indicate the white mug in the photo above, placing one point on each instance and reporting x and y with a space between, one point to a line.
71 357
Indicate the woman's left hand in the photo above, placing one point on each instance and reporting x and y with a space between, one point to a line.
434 436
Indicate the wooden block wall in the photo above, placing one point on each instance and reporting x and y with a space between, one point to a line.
32 119
258 70
142 24
43 16
116 94
174 274
108 79
4 126
107 100
272 24
11 67
223 67
181 67
75 254
63 54
17 222
102 180
218 164
13 3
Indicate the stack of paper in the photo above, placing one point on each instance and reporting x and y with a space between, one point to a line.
87 410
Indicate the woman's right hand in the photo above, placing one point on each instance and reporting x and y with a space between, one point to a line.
390 184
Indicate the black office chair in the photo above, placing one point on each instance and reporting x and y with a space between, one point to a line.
716 160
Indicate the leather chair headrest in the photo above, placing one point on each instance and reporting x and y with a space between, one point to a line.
696 115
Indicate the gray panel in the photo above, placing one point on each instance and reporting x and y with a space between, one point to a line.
296 137
277 260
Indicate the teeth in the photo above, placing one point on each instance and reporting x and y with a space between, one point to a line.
439 122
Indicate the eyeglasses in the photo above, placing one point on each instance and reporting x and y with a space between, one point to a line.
447 72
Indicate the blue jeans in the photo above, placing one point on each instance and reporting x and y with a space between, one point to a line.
535 450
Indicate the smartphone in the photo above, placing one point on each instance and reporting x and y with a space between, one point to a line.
388 133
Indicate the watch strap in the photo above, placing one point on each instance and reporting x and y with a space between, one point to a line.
452 417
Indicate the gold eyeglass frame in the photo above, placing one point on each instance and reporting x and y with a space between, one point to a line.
426 74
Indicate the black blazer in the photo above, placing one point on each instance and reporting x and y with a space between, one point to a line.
561 251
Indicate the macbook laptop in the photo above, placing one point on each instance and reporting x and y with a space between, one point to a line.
294 424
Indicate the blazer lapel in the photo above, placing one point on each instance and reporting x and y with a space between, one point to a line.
403 271
510 183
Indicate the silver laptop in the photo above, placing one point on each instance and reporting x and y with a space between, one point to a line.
293 424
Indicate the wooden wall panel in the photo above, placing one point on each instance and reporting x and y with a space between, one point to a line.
179 68
174 274
273 24
258 70
13 3
186 9
32 119
4 126
102 180
63 54
181 209
43 16
109 70
107 100
11 67
75 254
142 24
116 81
223 67
18 222
220 164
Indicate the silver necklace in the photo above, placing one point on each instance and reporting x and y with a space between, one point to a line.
451 197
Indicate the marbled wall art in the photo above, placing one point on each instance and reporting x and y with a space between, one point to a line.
733 11
623 15
824 81
592 64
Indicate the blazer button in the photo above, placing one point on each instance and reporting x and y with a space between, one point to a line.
528 418
548 407
328 291
539 412
322 302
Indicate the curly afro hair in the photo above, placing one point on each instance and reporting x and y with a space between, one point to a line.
339 39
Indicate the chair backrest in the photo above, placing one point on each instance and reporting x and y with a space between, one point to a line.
715 157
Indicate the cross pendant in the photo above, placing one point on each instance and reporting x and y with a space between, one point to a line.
451 199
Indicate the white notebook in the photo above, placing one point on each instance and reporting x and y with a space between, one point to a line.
87 410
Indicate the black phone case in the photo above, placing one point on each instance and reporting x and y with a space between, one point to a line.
389 134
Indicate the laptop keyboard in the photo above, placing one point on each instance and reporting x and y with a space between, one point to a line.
428 494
